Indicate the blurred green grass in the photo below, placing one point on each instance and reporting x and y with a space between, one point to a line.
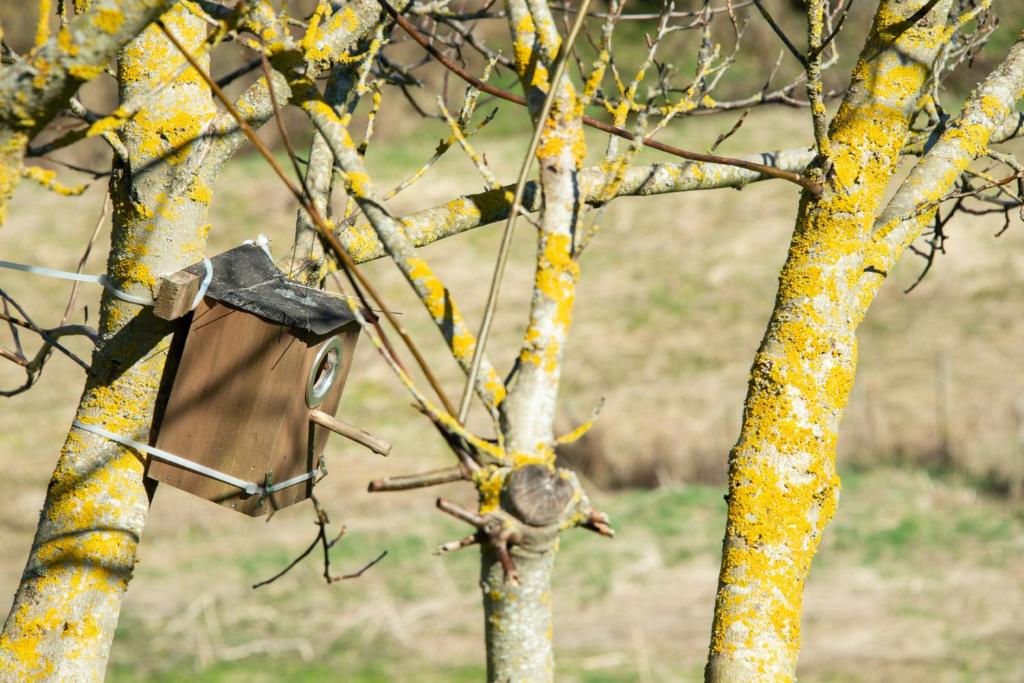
897 525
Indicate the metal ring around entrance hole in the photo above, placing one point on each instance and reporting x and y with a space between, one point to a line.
325 371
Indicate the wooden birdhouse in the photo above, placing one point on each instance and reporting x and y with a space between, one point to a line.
259 379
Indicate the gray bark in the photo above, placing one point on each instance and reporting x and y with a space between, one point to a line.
518 618
65 613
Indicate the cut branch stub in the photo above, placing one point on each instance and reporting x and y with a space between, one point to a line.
537 495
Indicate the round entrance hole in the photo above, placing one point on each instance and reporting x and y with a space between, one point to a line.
324 372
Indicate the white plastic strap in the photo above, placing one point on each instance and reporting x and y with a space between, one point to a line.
204 285
249 487
124 296
263 242
105 281
79 277
50 272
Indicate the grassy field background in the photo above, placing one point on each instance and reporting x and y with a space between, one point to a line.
920 577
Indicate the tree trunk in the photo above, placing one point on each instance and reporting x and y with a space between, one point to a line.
783 486
518 618
519 626
65 612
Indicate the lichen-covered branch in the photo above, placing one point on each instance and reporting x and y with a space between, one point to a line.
475 210
65 612
431 291
334 31
985 114
308 262
529 411
34 89
472 211
812 64
783 487
517 606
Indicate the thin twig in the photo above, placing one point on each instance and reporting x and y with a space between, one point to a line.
321 539
781 34
460 513
282 129
13 326
85 257
650 16
814 52
464 542
360 572
291 564
811 186
33 368
28 324
231 77
599 523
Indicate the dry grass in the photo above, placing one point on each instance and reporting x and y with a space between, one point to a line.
920 578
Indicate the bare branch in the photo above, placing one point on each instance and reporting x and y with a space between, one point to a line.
464 542
809 185
417 481
85 257
475 210
793 50
460 513
321 540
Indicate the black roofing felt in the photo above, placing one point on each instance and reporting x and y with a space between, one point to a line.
247 279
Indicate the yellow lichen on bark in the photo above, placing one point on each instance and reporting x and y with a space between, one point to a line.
560 155
783 486
36 87
108 19
48 179
66 609
43 25
12 154
88 550
322 24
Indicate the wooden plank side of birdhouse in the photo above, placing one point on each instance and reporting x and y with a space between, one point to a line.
237 405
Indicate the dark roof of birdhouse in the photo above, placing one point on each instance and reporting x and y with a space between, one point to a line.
246 278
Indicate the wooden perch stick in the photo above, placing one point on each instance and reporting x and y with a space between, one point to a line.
375 444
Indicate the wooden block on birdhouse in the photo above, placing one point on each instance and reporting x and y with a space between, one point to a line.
175 295
261 354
